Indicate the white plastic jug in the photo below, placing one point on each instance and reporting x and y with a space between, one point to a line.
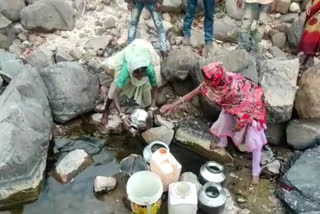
166 166
183 198
144 190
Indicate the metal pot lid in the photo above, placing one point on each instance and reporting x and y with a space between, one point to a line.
212 172
153 147
212 195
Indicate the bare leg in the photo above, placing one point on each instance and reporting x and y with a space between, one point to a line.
256 168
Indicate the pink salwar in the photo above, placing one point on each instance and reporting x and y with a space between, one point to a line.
252 135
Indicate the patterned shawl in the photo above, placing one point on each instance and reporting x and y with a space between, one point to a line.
235 94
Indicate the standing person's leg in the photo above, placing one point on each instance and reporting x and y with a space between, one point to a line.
157 19
256 168
262 21
188 19
209 7
244 40
135 17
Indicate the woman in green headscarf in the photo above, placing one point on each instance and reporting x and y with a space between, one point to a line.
134 78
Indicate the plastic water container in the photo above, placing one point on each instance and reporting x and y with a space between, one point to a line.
183 198
144 191
166 166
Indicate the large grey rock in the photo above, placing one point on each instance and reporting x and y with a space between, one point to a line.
178 64
295 31
279 81
226 30
279 39
10 66
72 90
303 133
48 15
161 133
197 39
172 5
25 124
195 136
276 134
98 43
233 11
11 8
303 179
7 33
307 102
63 55
40 58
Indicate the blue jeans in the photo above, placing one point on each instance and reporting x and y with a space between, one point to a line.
157 19
209 6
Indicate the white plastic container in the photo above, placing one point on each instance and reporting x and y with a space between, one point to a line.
166 166
144 190
183 198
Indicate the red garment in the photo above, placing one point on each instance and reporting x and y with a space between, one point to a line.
310 41
237 95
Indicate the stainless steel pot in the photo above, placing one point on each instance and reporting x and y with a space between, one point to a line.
212 198
212 172
153 147
139 119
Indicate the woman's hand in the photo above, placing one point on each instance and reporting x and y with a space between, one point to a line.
167 109
239 4
309 7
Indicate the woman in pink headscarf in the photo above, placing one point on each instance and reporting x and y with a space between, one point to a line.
243 115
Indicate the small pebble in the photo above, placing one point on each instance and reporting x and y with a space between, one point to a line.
241 200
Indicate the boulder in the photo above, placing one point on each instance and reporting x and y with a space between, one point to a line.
279 79
279 39
276 134
283 6
307 102
161 133
76 53
110 22
196 136
289 18
181 88
72 164
159 121
104 184
303 133
295 31
226 30
40 58
11 9
197 39
10 66
63 55
277 52
178 64
48 15
25 124
295 7
98 43
300 185
7 33
114 125
172 5
233 11
72 90
164 94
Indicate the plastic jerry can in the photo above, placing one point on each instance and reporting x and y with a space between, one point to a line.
183 198
164 164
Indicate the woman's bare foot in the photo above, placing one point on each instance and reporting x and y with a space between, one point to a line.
255 180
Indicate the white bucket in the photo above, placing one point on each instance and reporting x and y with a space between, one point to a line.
144 190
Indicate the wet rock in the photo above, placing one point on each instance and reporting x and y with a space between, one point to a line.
279 79
279 39
233 11
181 88
110 22
48 15
295 31
283 6
62 55
307 102
11 9
161 133
40 58
302 183
10 66
162 122
295 7
164 94
72 164
178 64
192 178
113 126
98 43
132 164
76 53
272 168
226 30
303 133
72 90
25 124
103 185
195 135
276 134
